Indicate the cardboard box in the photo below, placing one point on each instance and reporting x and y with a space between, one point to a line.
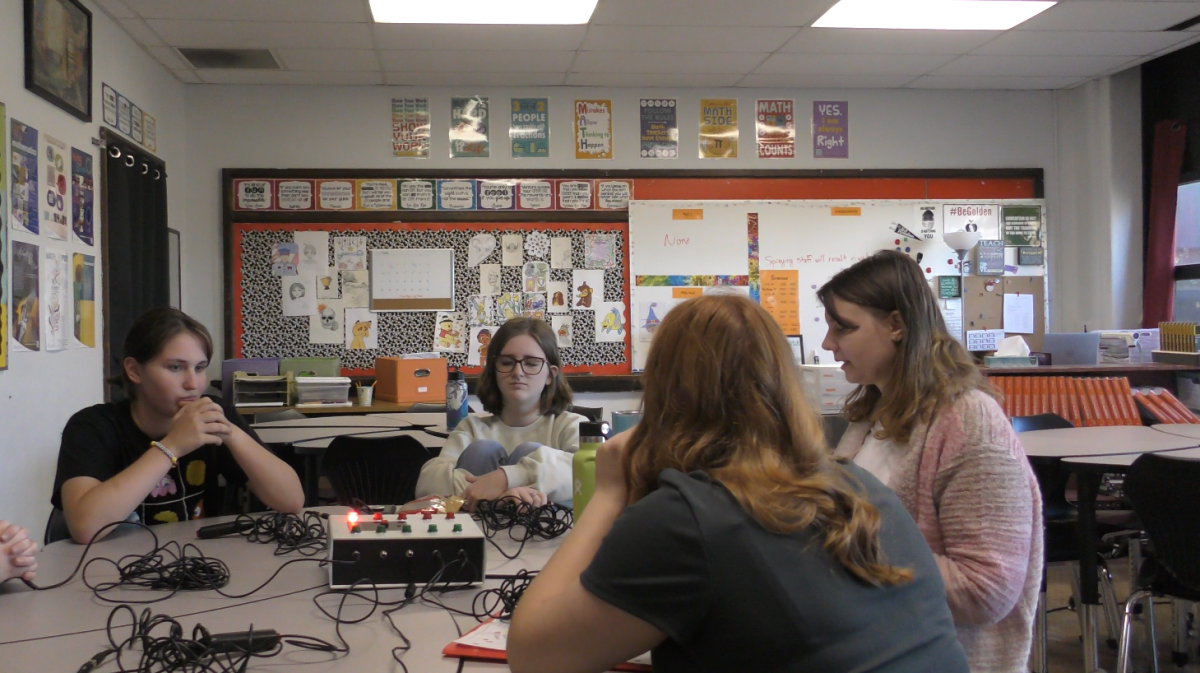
401 380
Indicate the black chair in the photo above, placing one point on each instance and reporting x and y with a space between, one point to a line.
427 408
1165 493
374 470
56 527
593 414
1060 521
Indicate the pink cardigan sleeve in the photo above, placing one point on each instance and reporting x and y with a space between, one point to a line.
984 495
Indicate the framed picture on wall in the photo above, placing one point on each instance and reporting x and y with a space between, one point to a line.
58 54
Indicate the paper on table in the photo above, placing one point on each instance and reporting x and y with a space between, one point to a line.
1018 313
493 635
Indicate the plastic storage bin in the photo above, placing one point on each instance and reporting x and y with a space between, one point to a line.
304 367
401 380
254 390
826 387
260 366
333 390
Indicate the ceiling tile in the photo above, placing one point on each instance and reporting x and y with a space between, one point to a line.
1109 15
322 11
826 81
686 38
475 78
187 76
1080 43
170 58
851 64
709 12
647 80
478 38
141 33
288 77
257 35
632 62
328 60
873 41
995 82
477 61
1030 66
117 9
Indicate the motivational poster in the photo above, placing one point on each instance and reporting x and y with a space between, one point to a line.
659 128
529 128
593 129
718 128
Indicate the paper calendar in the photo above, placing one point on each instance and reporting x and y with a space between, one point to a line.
412 280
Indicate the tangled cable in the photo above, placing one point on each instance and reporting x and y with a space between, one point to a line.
290 532
171 652
522 521
499 603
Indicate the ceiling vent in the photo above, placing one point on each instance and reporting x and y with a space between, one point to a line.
1184 25
230 59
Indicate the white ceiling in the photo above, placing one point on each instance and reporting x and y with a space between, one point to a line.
661 43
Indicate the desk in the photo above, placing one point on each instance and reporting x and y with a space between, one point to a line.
1101 449
421 420
1179 430
1099 441
377 406
368 421
59 629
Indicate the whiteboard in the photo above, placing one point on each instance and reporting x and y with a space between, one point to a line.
412 280
816 239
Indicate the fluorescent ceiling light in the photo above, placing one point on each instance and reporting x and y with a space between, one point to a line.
931 14
503 12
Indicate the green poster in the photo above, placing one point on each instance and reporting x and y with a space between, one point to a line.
529 129
1022 225
469 128
949 287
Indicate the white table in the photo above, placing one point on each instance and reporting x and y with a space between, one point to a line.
59 629
367 421
421 420
1179 430
1099 441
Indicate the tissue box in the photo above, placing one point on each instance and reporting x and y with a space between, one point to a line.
409 380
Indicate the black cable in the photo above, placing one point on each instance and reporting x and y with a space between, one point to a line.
522 521
291 533
201 653
499 603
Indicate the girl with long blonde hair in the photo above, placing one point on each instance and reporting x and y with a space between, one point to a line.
722 535
925 422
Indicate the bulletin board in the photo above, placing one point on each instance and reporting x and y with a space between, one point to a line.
260 330
780 252
444 208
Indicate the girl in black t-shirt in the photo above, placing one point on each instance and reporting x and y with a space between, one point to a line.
157 454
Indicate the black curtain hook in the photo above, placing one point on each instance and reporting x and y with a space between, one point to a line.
145 169
114 152
129 160
157 174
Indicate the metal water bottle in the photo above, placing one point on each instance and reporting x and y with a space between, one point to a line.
456 398
591 436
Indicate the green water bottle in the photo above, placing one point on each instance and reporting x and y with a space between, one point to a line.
591 436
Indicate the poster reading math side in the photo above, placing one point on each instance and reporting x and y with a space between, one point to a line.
469 128
529 129
410 128
831 129
659 129
593 129
775 129
718 128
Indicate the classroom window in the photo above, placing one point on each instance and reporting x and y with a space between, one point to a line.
1187 252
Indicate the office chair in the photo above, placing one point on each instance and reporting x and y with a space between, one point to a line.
374 470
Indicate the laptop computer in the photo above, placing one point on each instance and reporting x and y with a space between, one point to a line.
1072 348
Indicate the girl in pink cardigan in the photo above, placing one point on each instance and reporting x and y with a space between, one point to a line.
924 421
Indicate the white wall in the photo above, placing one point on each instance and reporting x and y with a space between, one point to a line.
1097 233
350 127
40 391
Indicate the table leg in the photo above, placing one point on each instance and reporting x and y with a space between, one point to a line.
311 480
1089 596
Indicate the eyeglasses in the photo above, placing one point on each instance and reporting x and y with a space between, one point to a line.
531 366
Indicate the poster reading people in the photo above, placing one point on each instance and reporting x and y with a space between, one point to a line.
529 128
410 128
469 128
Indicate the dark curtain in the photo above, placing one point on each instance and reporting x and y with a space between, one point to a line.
1158 292
135 257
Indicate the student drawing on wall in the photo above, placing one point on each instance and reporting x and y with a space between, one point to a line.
484 338
558 299
328 318
362 331
585 295
310 254
612 322
447 335
296 291
564 333
652 321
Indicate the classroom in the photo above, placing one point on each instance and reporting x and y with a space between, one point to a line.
279 241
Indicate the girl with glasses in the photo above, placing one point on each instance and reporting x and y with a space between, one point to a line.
724 537
524 448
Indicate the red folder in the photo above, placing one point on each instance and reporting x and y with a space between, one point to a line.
483 654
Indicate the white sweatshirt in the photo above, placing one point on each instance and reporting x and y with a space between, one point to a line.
548 469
